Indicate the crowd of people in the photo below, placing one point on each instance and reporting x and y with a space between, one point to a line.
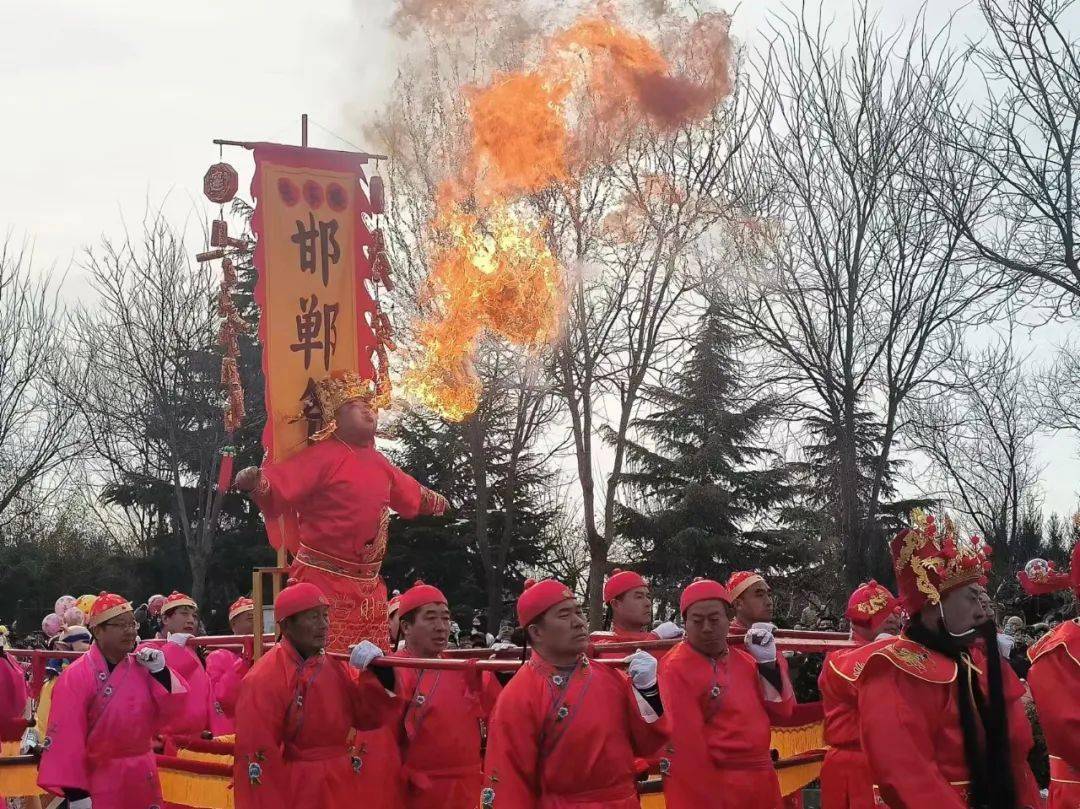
357 702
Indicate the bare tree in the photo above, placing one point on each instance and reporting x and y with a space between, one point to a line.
979 438
1021 145
38 429
150 405
860 297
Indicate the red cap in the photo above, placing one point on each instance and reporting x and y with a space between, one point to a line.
538 597
297 598
240 606
107 606
870 605
175 600
418 595
621 581
742 581
702 590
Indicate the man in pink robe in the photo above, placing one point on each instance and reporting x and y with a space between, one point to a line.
106 708
226 669
179 623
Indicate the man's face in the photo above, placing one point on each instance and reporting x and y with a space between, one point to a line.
357 418
117 636
427 629
891 625
180 619
244 623
963 609
307 630
561 631
755 604
707 627
633 608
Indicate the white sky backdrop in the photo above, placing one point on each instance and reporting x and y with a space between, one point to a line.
109 105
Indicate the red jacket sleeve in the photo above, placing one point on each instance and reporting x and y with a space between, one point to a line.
778 705
898 740
646 738
260 778
226 671
372 706
512 751
291 481
1053 679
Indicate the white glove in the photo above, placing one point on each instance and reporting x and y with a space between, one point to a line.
31 741
668 630
760 642
82 803
642 670
502 646
883 636
179 638
363 653
153 660
1005 644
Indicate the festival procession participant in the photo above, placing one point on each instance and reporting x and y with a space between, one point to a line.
1054 678
627 595
342 490
393 616
439 729
566 731
13 698
106 709
846 782
179 623
752 599
226 669
296 711
940 715
721 702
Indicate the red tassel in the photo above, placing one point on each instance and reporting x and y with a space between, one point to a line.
224 478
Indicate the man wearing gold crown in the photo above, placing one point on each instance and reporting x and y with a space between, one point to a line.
940 713
342 490
1055 681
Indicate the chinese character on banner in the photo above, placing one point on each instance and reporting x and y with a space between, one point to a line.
313 256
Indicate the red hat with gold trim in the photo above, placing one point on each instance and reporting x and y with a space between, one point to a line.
930 559
538 597
106 607
703 590
174 600
621 581
393 605
418 595
870 605
240 606
297 598
740 582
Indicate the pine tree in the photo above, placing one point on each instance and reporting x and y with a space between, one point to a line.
702 495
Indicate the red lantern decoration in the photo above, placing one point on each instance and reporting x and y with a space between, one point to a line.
220 183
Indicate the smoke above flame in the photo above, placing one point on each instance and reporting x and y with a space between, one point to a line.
493 271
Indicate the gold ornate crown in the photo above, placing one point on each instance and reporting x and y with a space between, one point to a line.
930 560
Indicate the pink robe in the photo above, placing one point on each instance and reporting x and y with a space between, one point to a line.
101 728
13 697
198 705
226 669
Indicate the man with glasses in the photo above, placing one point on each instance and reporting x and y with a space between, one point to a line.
107 707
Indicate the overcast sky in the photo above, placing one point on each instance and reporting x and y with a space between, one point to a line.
111 104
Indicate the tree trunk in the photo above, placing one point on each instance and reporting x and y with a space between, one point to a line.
478 462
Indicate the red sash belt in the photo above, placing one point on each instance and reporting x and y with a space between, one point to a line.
1063 772
617 792
328 563
314 753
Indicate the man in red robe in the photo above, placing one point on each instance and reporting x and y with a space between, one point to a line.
438 732
627 595
179 623
846 782
940 715
226 669
342 489
296 712
566 731
1054 678
721 702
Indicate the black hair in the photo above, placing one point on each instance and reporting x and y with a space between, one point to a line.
990 770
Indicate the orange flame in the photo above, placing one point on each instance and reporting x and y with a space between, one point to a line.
493 271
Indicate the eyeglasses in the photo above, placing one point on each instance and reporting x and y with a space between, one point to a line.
121 624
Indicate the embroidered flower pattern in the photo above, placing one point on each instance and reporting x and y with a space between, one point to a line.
254 773
487 797
562 713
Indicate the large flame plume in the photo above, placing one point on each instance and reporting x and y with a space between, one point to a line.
493 271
